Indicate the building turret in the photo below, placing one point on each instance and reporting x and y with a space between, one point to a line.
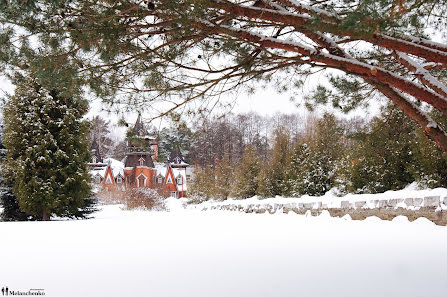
176 159
139 150
96 157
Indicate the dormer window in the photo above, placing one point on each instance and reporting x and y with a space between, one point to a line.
179 180
177 160
97 179
141 160
108 180
119 180
94 159
159 180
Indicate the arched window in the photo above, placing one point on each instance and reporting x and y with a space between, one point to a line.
141 160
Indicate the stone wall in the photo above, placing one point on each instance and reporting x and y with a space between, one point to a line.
432 207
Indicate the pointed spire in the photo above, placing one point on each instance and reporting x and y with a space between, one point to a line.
95 153
95 145
176 156
139 126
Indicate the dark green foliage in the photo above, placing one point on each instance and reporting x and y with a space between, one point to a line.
224 178
294 184
48 151
203 184
430 164
11 210
171 139
383 155
272 178
177 52
246 176
314 166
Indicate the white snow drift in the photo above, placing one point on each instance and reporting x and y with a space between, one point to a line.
214 253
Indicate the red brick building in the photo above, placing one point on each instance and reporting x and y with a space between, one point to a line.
139 168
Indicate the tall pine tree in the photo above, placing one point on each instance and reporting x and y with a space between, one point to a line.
47 155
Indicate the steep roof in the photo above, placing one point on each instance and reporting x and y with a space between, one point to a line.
95 151
176 157
133 160
139 124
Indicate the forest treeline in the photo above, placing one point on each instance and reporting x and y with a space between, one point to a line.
313 156
242 155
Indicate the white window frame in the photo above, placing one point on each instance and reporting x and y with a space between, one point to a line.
119 179
169 180
109 180
97 179
159 180
179 180
138 181
173 194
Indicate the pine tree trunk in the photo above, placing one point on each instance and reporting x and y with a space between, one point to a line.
45 215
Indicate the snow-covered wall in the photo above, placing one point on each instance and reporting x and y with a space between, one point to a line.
412 203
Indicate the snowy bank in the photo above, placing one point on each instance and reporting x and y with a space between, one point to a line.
186 252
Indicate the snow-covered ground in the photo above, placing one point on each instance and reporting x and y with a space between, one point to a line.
216 253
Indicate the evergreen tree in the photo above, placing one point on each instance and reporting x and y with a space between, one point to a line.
317 175
11 210
48 151
430 164
197 57
246 176
294 185
273 175
224 178
178 137
203 184
314 167
383 155
101 133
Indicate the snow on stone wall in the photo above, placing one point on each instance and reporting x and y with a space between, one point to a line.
408 199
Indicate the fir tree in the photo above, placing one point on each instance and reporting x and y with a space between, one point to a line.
294 185
203 184
429 166
272 181
224 179
246 177
100 132
382 158
11 210
178 137
48 151
314 167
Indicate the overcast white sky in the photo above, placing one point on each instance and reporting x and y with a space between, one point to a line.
266 102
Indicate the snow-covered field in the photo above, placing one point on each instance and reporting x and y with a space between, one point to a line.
216 253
